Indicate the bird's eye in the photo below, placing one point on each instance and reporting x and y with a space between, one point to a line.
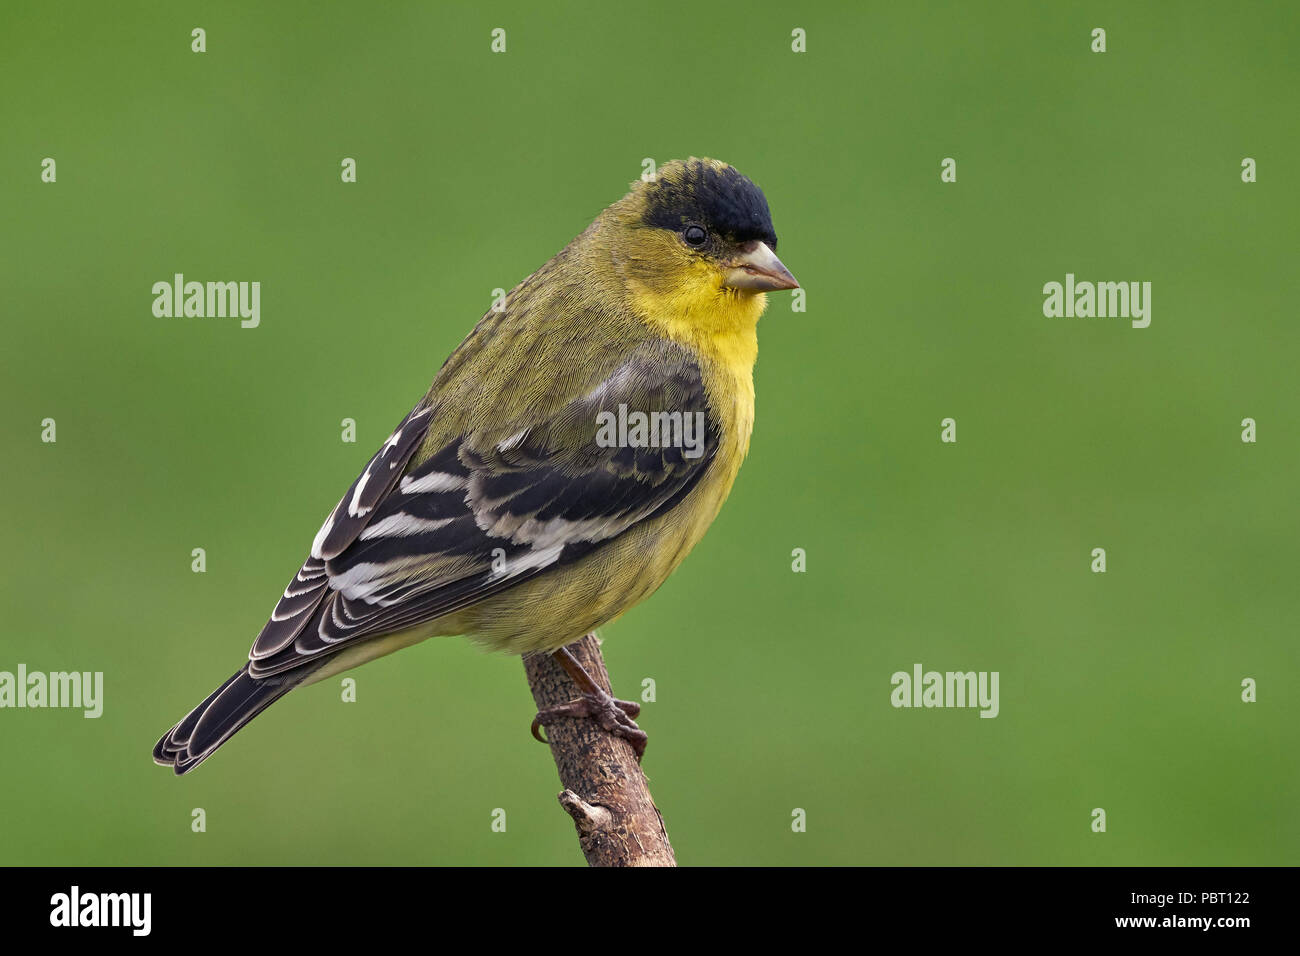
694 235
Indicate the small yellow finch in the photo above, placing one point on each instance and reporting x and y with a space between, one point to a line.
568 455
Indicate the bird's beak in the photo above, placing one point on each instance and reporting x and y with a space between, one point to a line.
759 270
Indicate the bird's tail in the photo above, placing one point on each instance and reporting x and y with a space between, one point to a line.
217 719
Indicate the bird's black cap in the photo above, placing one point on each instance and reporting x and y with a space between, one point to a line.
712 194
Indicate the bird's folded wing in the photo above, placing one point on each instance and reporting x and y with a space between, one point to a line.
411 542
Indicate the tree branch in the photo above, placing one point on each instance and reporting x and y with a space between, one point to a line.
605 790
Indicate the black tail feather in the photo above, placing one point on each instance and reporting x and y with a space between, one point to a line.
220 717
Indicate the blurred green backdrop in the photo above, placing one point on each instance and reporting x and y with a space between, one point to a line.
1118 690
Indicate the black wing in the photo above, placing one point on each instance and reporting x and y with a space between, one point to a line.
478 516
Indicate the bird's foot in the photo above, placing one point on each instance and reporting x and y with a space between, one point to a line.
614 716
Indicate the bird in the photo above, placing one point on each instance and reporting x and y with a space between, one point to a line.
568 455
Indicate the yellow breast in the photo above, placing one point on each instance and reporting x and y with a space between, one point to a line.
719 327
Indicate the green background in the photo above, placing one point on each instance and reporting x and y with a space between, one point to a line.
1118 690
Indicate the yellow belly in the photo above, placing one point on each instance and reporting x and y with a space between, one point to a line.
559 607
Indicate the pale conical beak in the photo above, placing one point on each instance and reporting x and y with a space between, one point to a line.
759 270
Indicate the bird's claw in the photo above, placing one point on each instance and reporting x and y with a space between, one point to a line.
614 716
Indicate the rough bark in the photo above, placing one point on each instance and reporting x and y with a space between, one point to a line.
605 791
